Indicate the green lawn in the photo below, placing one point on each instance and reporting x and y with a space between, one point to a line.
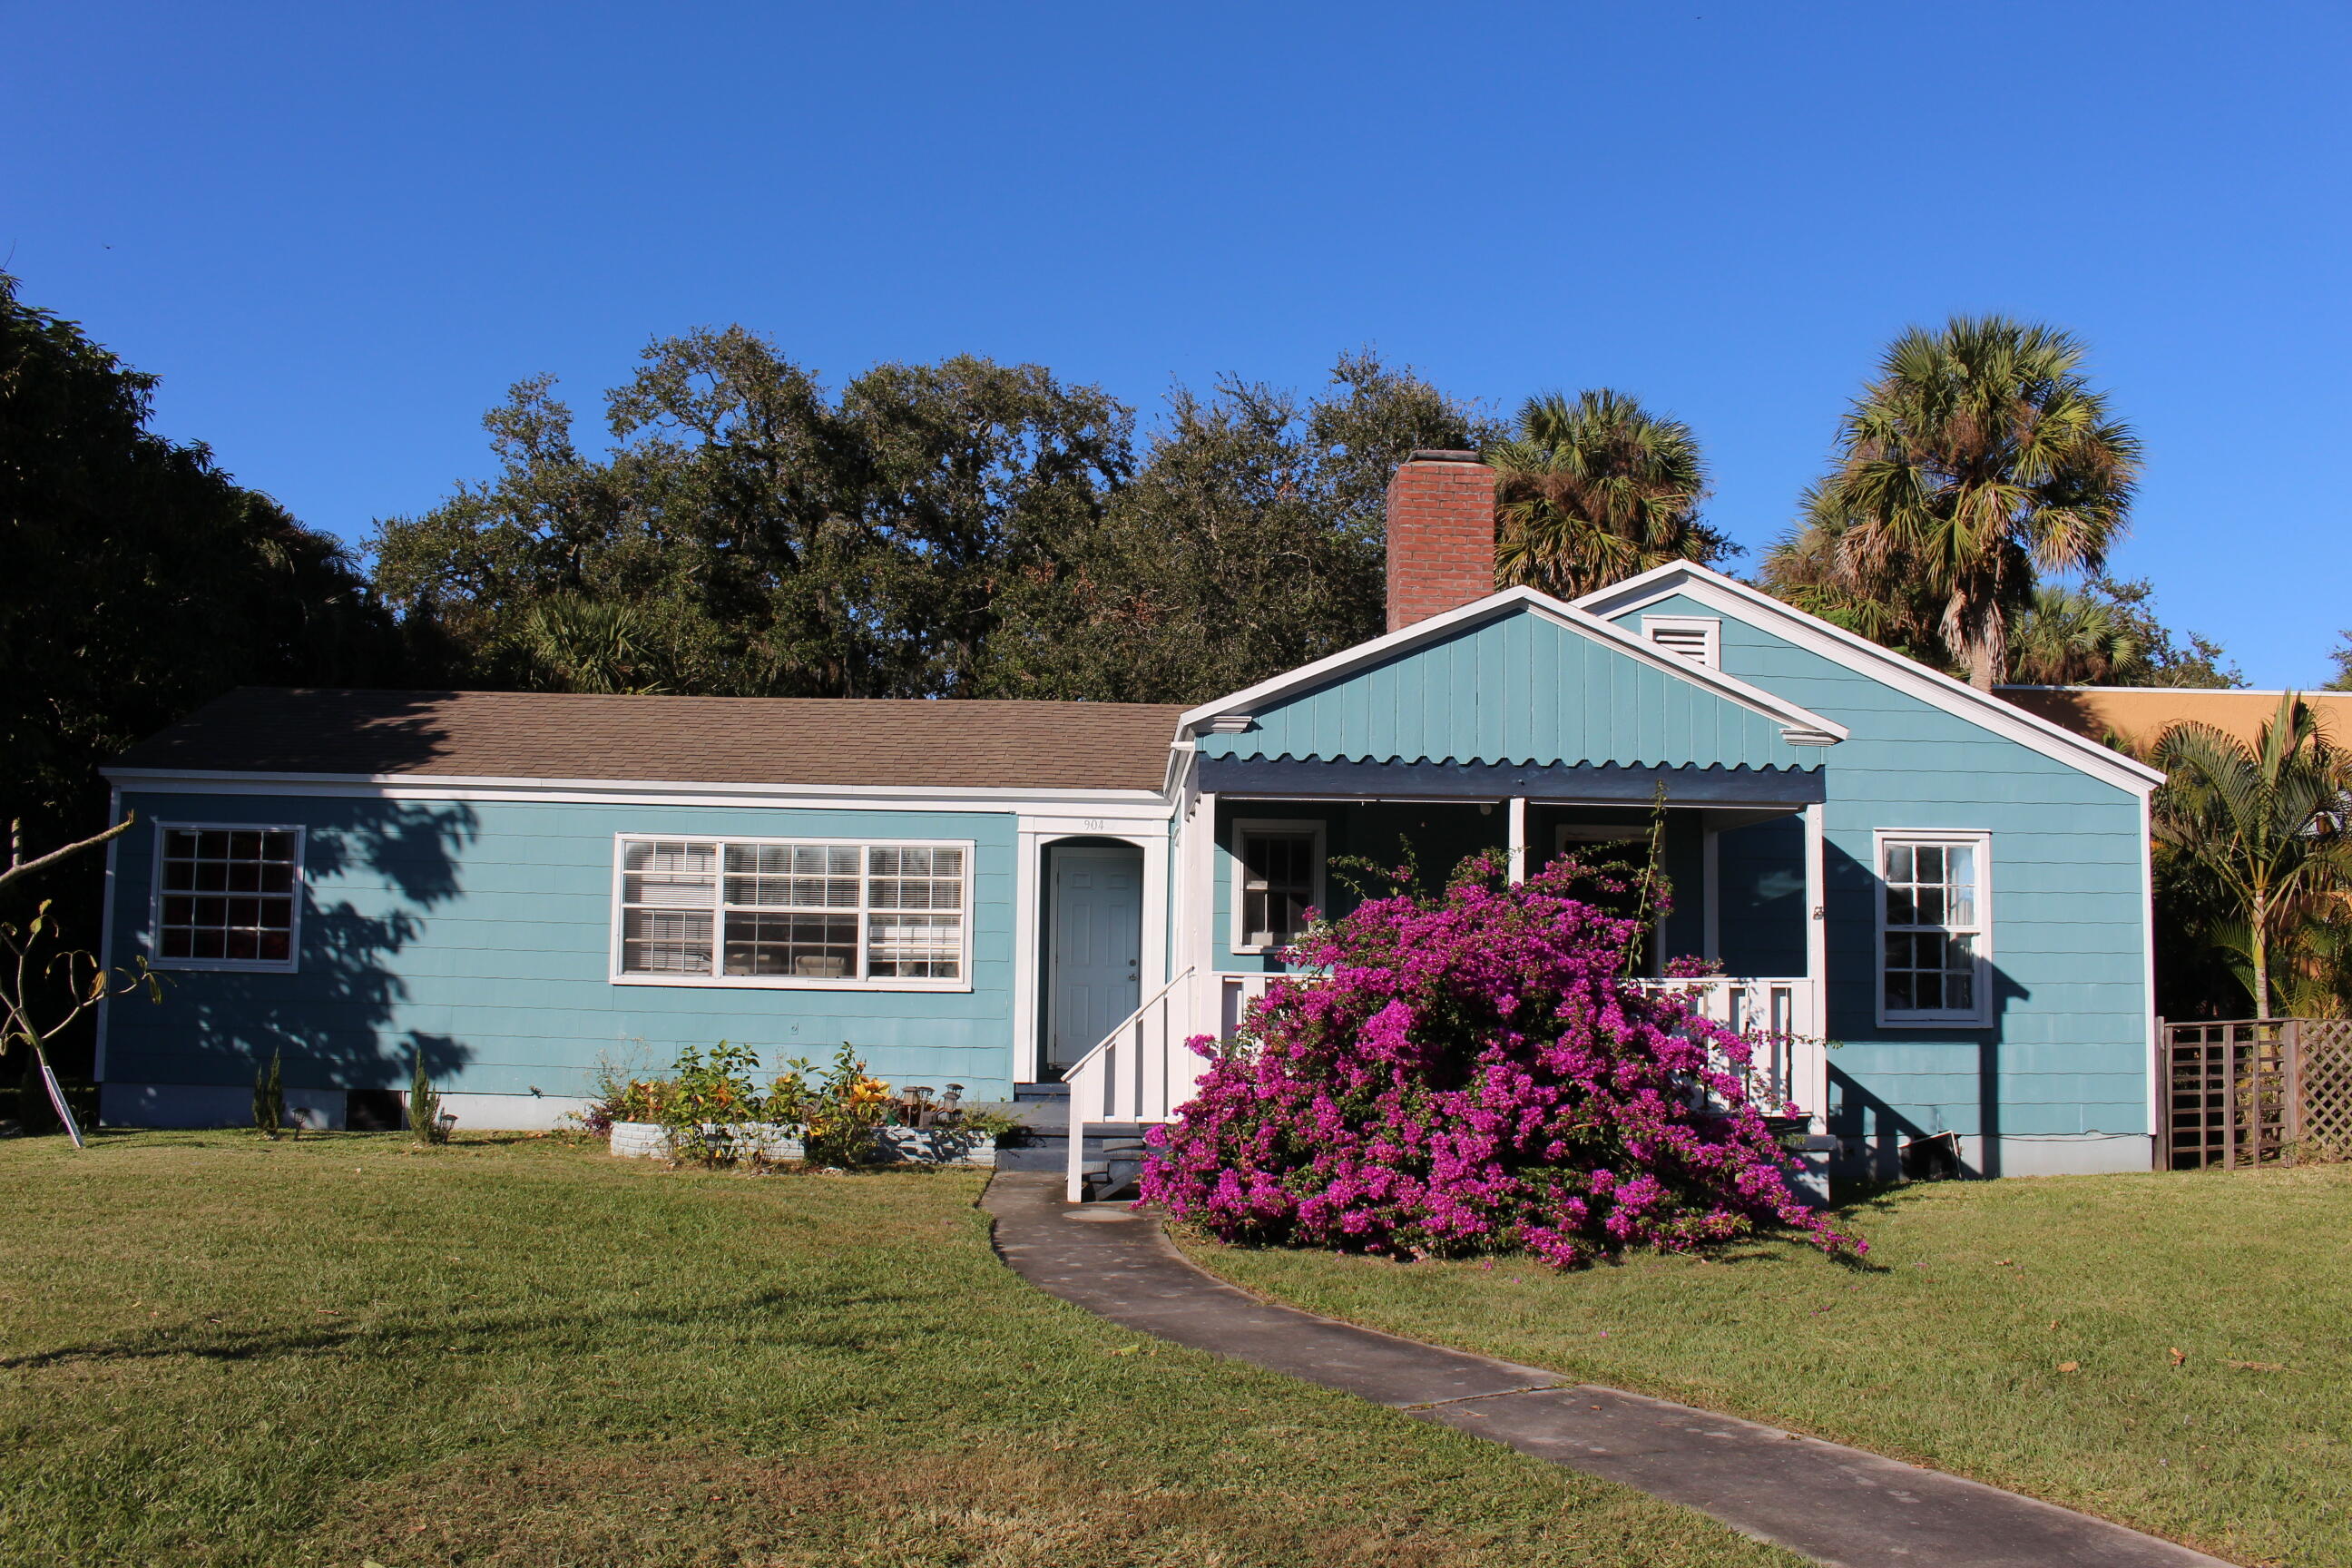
215 1350
2020 1331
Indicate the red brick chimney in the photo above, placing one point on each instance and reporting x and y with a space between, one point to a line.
1441 535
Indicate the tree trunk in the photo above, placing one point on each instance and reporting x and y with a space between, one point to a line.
1978 635
2261 956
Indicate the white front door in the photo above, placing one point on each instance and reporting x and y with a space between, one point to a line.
1094 961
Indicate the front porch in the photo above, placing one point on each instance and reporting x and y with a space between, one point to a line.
1740 850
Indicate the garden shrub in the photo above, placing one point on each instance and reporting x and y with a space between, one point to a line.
269 1097
837 1115
1466 1074
834 1112
424 1106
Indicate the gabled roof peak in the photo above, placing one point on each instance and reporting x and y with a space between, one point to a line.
1861 654
1799 726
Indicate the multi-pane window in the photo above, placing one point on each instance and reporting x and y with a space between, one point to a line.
666 917
792 913
1935 930
228 896
1276 887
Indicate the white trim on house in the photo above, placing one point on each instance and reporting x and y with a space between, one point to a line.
2177 691
1123 804
1866 657
1698 638
1799 726
719 980
105 938
1979 1016
1031 948
1307 828
291 963
2147 967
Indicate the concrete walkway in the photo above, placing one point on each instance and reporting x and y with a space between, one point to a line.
1833 1504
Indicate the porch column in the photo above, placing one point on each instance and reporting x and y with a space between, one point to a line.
1809 1057
1028 1037
1817 929
1197 898
1518 845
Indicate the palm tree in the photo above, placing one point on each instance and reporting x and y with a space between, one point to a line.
2067 637
1805 567
1593 490
2262 827
570 643
1978 457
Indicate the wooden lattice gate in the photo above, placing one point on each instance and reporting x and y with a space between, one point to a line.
2248 1092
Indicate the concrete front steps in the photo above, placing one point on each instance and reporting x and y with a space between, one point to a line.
1112 1157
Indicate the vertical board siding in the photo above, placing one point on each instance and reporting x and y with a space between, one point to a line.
2067 1055
1518 689
480 933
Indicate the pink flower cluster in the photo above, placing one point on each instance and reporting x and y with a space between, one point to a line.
1468 1075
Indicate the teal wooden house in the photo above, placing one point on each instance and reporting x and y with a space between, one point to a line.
1933 905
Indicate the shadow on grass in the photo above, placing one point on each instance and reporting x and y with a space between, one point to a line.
844 1319
1770 1247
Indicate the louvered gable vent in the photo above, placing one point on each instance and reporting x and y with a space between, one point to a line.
1697 640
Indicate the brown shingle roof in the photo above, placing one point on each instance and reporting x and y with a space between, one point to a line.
2140 714
709 739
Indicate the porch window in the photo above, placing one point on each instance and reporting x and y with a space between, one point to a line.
1934 926
783 912
228 897
1278 878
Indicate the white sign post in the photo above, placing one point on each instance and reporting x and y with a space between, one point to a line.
65 1112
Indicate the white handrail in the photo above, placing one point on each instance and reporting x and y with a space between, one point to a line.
1121 1027
1091 1076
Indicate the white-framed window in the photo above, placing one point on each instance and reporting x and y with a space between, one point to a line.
843 914
1277 877
229 895
1698 638
1935 927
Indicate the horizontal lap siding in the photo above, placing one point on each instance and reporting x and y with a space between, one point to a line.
1521 689
2068 1054
482 931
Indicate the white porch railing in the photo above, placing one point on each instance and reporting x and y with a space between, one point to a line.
1141 1071
1234 993
1781 1019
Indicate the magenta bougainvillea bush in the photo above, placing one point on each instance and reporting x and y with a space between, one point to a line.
1468 1074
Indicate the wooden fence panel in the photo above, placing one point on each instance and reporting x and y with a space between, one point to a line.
2325 1069
2249 1092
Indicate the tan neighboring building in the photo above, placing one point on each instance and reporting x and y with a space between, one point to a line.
2137 715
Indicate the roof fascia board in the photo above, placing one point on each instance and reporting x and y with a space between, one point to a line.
2190 691
1861 654
1787 714
1125 802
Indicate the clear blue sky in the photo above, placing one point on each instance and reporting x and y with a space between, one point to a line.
339 232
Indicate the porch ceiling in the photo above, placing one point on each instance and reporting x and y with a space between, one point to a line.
1585 783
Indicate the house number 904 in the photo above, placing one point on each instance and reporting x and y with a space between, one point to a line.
1092 824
